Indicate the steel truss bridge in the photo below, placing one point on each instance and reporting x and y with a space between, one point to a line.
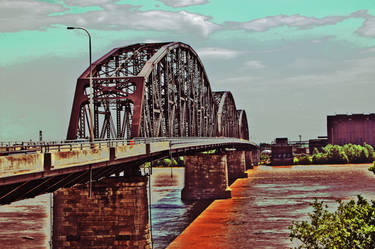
155 96
153 90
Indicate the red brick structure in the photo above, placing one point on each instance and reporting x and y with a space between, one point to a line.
252 158
355 129
236 162
206 177
249 159
116 215
281 152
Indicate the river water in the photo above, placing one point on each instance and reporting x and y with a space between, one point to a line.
26 224
258 215
265 204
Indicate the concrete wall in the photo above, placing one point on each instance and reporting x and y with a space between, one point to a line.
29 163
21 164
64 159
123 151
116 215
159 146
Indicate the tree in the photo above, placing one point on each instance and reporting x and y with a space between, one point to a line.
371 153
303 160
336 154
352 225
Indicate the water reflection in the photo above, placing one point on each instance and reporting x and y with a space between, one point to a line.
265 204
170 215
25 224
257 216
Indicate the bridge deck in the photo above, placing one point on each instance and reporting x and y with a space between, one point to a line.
27 169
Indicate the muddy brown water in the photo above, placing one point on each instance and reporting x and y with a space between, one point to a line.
258 215
265 204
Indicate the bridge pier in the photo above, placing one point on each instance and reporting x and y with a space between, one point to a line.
115 216
249 159
236 165
206 177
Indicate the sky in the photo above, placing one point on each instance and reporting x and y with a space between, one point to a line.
288 63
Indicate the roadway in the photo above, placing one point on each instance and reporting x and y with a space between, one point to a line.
28 169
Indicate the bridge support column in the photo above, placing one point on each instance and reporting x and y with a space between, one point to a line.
206 177
249 159
115 216
236 165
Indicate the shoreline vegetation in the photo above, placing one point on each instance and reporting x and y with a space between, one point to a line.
336 154
330 154
351 225
172 161
167 162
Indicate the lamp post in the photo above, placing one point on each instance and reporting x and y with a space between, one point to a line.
91 94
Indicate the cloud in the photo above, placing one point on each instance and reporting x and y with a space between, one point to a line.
152 41
181 21
183 3
85 3
24 15
368 27
366 51
221 53
19 15
254 65
302 22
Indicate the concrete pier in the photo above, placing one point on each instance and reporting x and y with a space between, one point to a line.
236 165
249 159
115 216
206 177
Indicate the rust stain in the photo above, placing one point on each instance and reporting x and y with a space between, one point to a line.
67 154
125 148
96 151
165 180
77 153
21 159
17 164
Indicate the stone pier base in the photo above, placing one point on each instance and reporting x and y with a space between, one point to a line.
249 160
116 215
206 177
236 165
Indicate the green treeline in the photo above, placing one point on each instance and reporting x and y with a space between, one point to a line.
336 154
167 162
177 161
351 225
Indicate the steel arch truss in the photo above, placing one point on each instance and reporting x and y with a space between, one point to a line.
227 115
152 90
243 128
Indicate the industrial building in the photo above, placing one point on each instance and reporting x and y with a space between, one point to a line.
355 129
281 152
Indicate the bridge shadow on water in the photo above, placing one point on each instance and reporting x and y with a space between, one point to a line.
170 215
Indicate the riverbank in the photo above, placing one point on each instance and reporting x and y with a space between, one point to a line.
266 203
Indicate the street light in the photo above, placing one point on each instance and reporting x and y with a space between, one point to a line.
91 94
